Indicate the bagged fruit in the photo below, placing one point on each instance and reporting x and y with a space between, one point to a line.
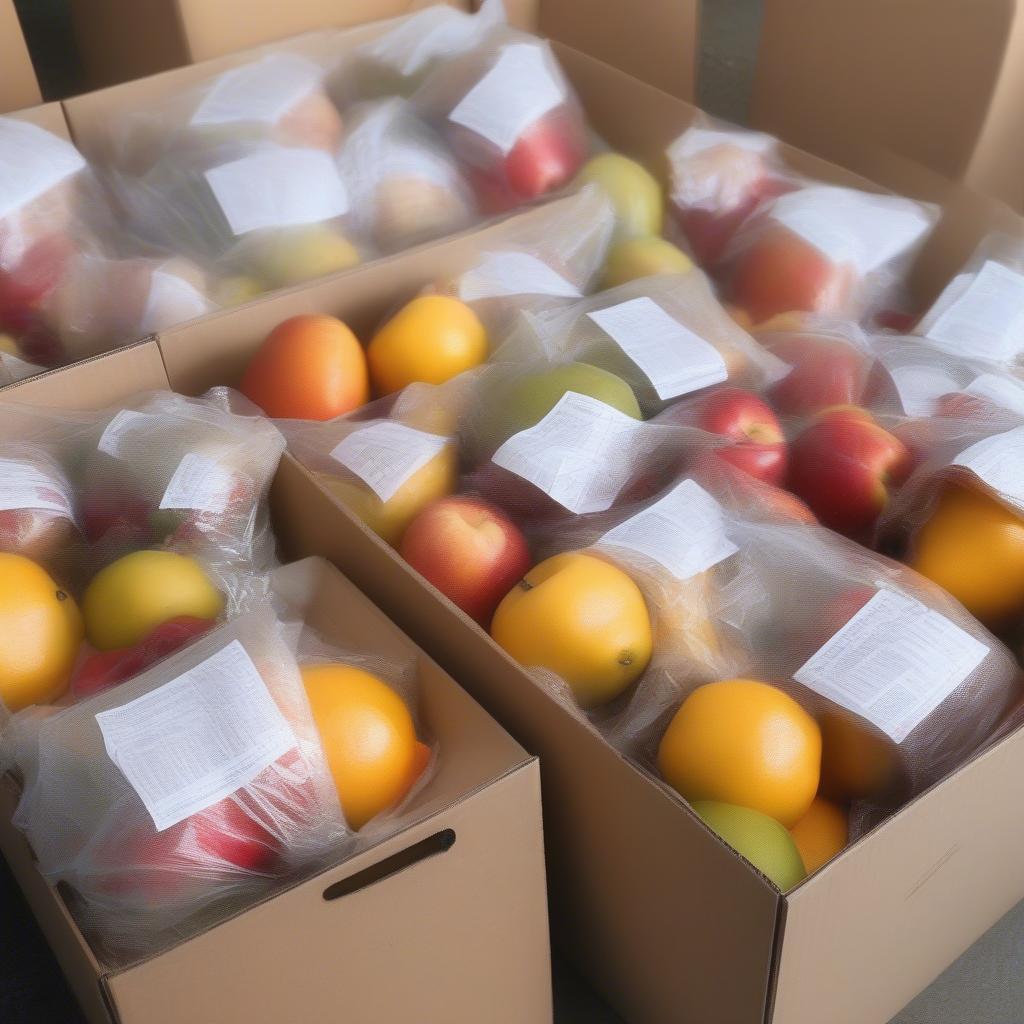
510 117
719 175
824 249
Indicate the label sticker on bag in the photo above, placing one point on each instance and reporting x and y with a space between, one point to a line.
893 663
514 95
26 486
386 454
513 273
848 226
581 454
278 188
674 359
699 140
261 92
920 387
200 484
1006 393
194 741
127 426
684 532
32 161
981 316
999 462
171 300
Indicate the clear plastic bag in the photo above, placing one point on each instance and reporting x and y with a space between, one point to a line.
510 117
405 188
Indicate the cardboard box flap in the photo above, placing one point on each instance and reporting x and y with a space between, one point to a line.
18 86
915 892
49 116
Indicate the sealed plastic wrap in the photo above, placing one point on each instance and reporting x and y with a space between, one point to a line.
12 367
405 187
824 249
510 117
719 175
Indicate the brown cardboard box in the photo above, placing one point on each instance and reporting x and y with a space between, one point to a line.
445 920
939 81
125 39
48 115
663 918
18 85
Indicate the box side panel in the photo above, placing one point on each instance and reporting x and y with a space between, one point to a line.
18 85
876 926
48 115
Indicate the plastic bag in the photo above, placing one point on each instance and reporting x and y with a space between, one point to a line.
404 186
510 117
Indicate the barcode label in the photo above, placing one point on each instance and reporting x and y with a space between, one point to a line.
999 462
513 273
26 486
385 455
200 484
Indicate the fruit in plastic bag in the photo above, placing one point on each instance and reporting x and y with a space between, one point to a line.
368 736
583 619
40 634
309 367
633 190
634 258
37 517
430 339
744 742
470 550
131 597
293 255
759 838
821 833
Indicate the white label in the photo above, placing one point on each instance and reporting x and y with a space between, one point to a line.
386 454
126 422
999 462
278 188
985 319
25 486
32 161
261 92
893 663
515 94
171 300
197 739
674 359
848 226
201 484
698 140
1009 394
581 454
920 387
684 532
513 273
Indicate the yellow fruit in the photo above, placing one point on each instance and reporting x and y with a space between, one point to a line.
430 339
581 618
299 254
368 737
821 833
633 190
743 742
40 633
634 258
233 291
9 345
389 519
128 599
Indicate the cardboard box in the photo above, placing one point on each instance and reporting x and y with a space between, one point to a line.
125 39
444 920
938 81
48 115
18 85
664 919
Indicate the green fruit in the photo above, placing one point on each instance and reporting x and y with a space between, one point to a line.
762 840
633 190
634 258
526 401
293 255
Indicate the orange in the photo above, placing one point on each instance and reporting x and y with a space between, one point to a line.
821 833
743 742
973 546
431 339
308 368
581 618
40 634
368 737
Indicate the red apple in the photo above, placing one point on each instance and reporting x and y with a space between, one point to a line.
741 416
826 371
122 513
843 465
470 550
547 155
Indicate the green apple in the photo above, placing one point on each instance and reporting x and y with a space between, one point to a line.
762 840
293 255
633 258
633 190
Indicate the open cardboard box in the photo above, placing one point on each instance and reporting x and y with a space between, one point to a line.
18 85
47 115
668 922
443 920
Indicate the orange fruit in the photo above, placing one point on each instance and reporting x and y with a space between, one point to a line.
973 547
309 368
431 339
821 833
743 742
368 737
40 634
